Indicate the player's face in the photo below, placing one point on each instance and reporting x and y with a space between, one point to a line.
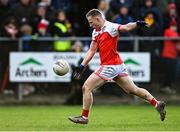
94 22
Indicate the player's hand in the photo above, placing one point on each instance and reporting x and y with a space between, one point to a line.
79 71
142 24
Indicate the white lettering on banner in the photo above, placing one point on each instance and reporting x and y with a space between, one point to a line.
37 66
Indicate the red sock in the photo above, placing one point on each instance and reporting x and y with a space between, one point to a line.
85 113
154 102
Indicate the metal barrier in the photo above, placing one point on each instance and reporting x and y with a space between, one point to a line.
135 40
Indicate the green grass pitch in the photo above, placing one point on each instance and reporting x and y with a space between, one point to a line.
102 118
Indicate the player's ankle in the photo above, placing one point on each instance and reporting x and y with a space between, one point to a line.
154 102
85 113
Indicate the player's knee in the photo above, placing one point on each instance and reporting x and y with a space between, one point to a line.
85 89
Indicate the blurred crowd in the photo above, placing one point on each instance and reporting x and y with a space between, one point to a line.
31 19
23 18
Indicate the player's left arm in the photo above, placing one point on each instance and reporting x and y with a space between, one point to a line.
131 26
91 52
82 67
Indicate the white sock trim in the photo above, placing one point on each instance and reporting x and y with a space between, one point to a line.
84 117
156 104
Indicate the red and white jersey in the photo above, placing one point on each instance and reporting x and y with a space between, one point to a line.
107 40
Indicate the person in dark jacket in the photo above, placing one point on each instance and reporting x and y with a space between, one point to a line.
24 11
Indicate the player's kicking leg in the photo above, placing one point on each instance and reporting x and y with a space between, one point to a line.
91 83
128 85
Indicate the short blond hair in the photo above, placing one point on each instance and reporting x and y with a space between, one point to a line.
94 12
26 29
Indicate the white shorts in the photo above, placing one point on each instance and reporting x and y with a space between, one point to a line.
109 72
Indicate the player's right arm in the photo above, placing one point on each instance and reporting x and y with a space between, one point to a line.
91 52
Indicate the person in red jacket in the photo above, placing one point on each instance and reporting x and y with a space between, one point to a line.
169 55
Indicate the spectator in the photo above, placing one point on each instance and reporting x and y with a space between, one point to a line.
26 35
136 10
151 19
169 56
29 44
12 2
124 18
41 15
42 29
65 5
103 6
172 11
24 11
61 28
48 2
4 10
160 4
77 46
171 14
115 4
150 5
10 28
50 10
42 32
154 47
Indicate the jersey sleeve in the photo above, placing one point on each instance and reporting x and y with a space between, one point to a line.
94 36
114 31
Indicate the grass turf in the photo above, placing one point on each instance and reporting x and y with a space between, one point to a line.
103 118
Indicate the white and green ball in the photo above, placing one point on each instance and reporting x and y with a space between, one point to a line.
61 67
